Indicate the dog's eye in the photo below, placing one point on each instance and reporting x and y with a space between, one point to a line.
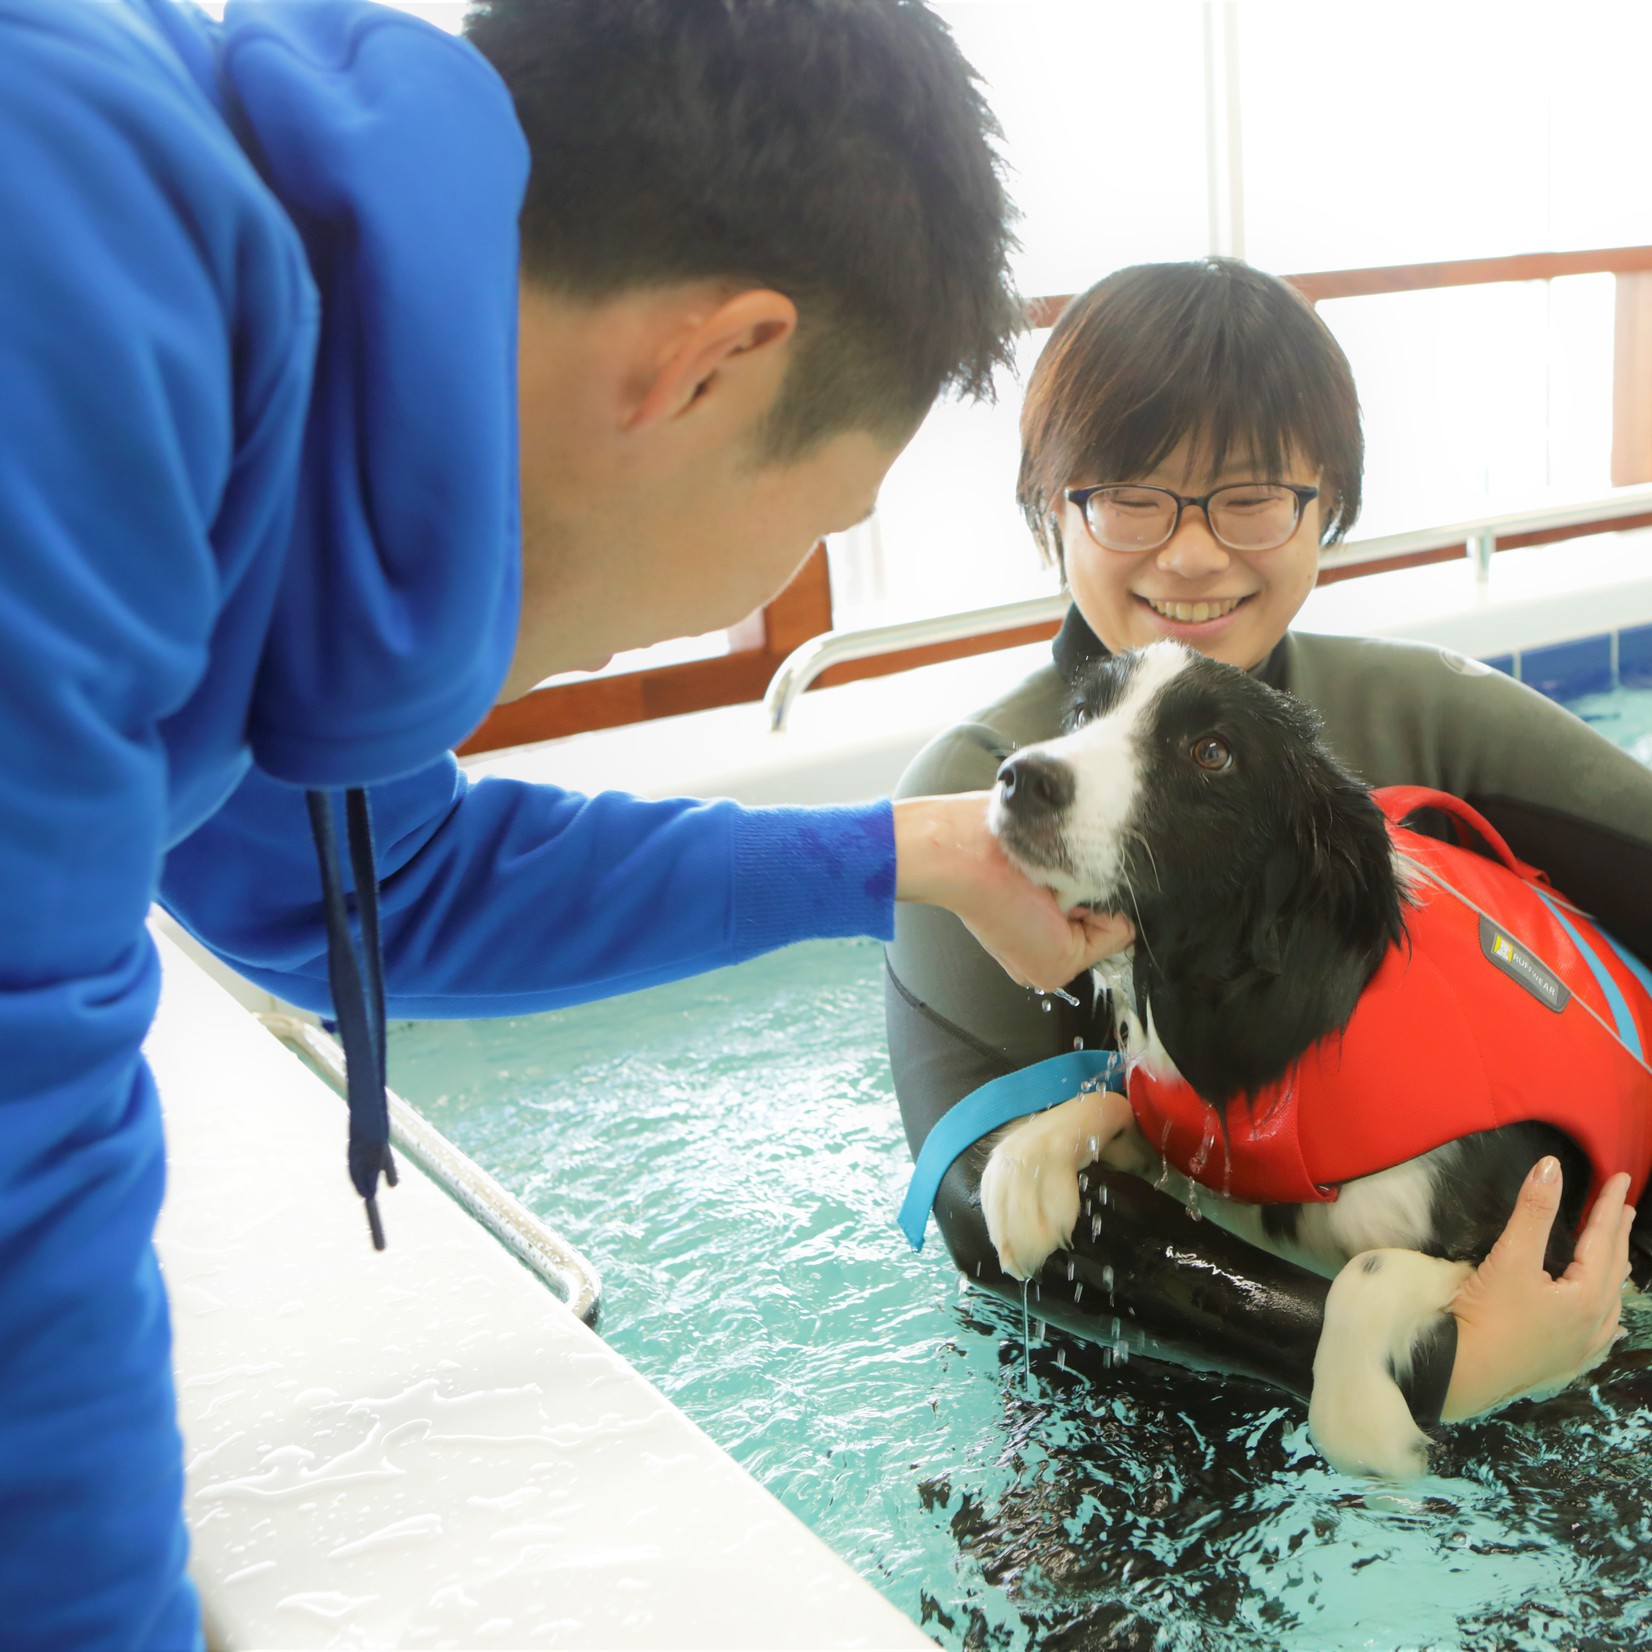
1211 752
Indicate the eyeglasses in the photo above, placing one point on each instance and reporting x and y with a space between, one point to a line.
1244 516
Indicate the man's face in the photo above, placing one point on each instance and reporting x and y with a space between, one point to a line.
649 510
693 555
719 544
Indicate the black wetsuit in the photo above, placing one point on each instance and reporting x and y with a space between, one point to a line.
1564 797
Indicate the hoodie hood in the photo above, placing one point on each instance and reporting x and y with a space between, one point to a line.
395 151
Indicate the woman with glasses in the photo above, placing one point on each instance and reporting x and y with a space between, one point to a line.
1190 440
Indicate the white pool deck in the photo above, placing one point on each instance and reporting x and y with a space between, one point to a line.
424 1448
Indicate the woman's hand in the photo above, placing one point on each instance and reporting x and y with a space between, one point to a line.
945 856
1518 1329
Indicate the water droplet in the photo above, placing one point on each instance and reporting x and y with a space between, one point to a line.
1026 1341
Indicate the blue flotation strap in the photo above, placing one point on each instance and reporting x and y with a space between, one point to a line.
999 1102
1627 1034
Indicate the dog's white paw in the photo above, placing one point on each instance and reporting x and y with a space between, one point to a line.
1029 1189
1379 1304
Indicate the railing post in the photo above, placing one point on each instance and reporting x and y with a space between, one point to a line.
1480 547
1632 379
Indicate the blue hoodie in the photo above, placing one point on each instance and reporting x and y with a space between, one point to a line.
258 533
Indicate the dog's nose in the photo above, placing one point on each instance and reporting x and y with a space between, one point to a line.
1032 784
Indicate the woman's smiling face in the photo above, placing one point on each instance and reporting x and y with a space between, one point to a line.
1232 605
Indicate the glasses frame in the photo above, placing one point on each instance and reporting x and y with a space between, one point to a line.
1081 497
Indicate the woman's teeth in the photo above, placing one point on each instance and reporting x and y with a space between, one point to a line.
1192 612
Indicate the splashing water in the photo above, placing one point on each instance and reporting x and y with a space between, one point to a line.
744 1231
753 1273
1026 1342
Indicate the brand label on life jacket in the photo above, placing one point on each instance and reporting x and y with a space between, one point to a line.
1508 955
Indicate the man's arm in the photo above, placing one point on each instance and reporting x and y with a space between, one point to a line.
502 898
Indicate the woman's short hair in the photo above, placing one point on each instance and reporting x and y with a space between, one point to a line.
1212 352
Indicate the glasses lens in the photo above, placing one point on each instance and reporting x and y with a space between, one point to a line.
1130 519
1254 516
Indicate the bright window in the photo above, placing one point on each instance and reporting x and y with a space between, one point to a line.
1359 134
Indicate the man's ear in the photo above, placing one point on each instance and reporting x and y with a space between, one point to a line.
737 351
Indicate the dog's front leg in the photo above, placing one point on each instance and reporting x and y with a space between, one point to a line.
1029 1189
1382 1310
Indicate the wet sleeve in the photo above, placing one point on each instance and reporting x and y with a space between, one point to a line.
503 898
115 444
1140 1271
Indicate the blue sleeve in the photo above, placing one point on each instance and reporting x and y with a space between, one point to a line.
116 450
501 898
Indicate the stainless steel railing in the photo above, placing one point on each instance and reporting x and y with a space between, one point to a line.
1480 535
538 1247
809 659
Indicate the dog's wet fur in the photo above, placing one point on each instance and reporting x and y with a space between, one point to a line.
1265 891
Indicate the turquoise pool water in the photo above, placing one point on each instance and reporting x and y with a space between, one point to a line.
728 1152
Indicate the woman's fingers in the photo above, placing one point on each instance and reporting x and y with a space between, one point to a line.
1526 1236
1602 1250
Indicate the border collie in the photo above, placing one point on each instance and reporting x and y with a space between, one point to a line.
1265 891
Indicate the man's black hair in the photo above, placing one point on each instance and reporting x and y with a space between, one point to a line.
837 151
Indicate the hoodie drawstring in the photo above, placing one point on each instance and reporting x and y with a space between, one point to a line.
357 986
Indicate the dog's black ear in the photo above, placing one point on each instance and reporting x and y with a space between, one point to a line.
1280 879
1326 928
1287 965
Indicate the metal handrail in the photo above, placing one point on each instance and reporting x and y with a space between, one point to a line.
539 1248
1482 533
1479 534
809 659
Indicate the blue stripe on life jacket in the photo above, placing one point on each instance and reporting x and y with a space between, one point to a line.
1628 1035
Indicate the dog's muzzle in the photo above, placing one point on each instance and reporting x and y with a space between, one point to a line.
1029 812
1034 789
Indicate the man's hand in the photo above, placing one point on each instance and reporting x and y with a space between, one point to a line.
1518 1329
945 856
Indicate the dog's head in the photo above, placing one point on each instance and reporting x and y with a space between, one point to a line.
1258 871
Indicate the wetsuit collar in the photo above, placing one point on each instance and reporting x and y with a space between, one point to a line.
1077 646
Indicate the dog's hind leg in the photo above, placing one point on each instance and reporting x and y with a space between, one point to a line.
1382 1307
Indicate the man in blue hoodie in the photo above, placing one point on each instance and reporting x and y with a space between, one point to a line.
280 515
305 460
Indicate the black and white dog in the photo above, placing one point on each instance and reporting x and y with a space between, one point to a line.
1265 891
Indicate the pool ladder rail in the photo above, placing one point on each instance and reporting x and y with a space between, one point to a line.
539 1248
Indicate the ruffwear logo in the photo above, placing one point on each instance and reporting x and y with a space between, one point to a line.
1523 967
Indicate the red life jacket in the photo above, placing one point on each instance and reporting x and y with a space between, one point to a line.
1479 1018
